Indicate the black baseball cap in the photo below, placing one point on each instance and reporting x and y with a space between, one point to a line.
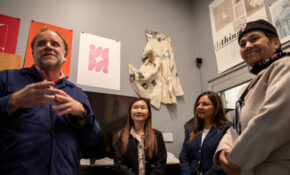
260 24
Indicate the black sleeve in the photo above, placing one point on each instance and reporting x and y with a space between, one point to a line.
159 169
119 162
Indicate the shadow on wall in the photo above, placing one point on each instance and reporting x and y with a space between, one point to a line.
172 109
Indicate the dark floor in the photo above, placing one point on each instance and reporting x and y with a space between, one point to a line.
171 169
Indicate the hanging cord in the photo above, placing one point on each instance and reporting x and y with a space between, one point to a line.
198 63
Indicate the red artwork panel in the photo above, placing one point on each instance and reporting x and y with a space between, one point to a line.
9 29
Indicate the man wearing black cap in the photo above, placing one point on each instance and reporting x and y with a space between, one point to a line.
262 115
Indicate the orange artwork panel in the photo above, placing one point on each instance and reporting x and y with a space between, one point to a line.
9 61
34 30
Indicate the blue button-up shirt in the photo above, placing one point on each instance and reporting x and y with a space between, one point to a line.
36 140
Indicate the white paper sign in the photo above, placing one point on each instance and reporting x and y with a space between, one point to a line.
280 12
99 62
226 18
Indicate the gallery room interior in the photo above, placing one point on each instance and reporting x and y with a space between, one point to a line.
198 60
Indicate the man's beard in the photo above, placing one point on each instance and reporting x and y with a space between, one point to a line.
43 64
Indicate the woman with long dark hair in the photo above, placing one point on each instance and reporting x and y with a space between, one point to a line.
200 143
138 148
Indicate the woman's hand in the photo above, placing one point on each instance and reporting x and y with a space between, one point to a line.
227 166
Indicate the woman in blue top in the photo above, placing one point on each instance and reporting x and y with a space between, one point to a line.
200 143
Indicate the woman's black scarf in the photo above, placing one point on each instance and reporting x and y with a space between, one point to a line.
264 64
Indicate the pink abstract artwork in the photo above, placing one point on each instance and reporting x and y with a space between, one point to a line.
99 62
101 53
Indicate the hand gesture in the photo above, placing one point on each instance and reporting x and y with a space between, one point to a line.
68 105
41 93
227 166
